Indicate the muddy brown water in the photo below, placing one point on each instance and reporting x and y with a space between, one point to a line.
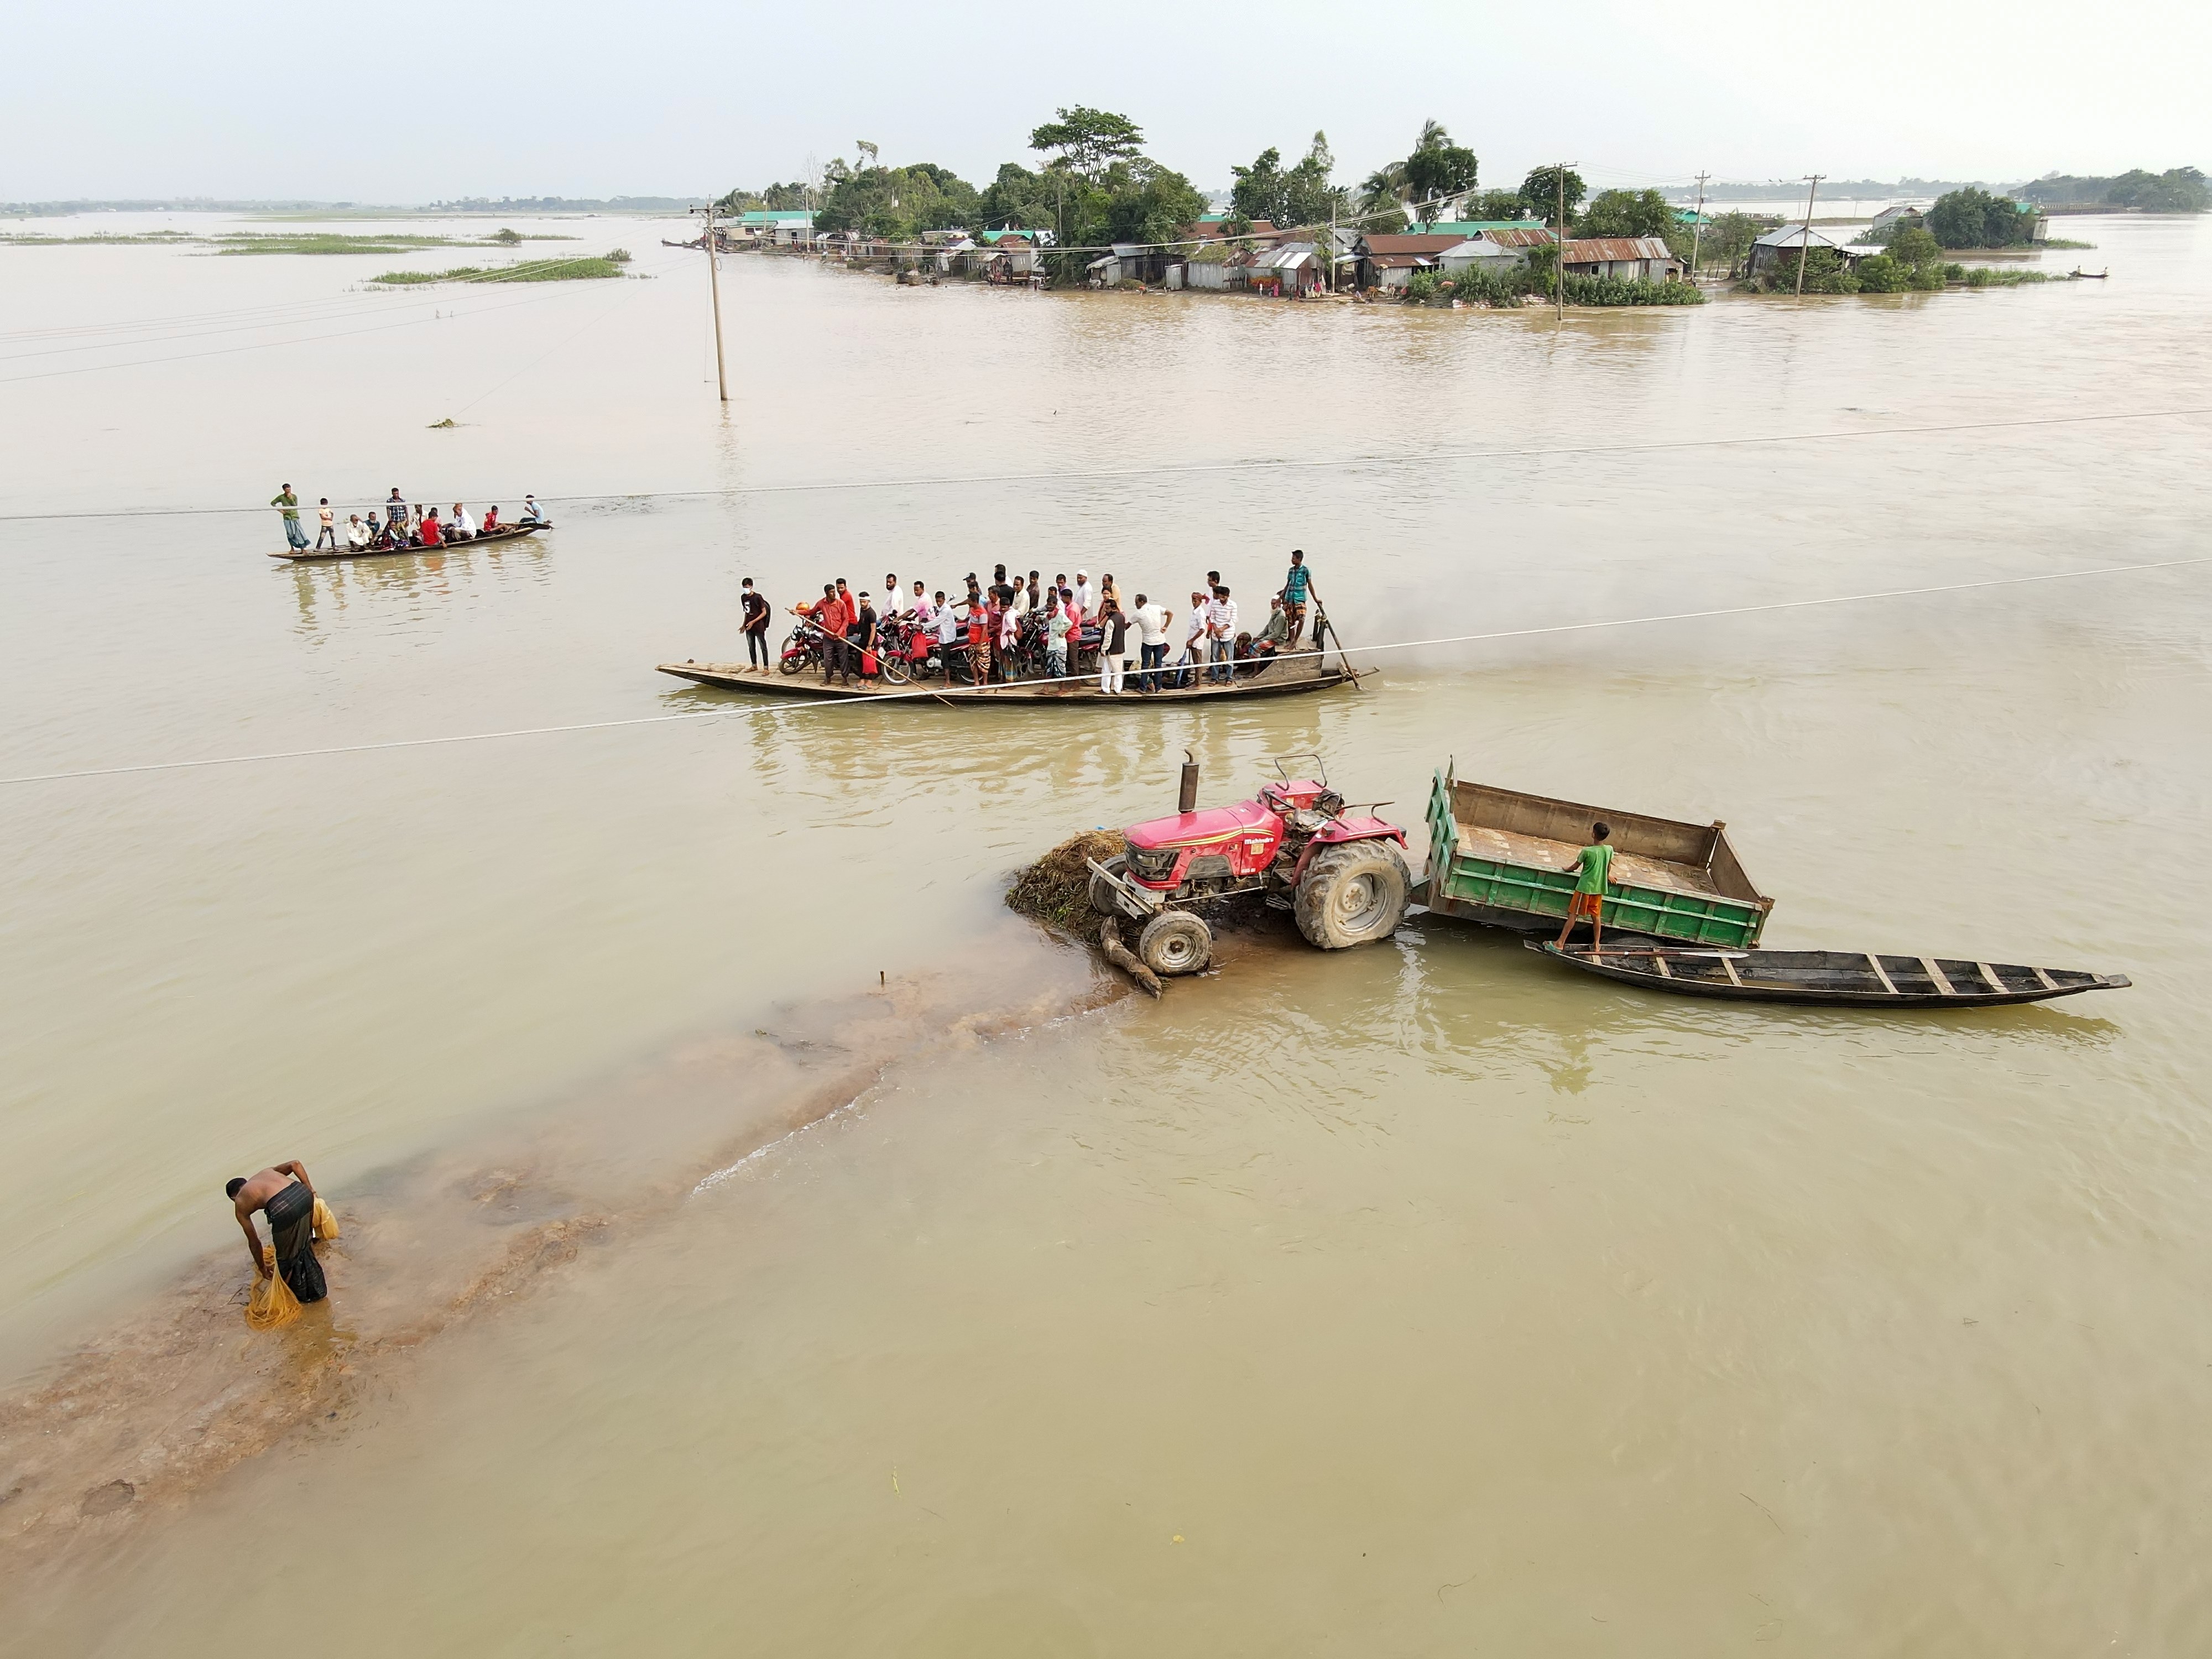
1420 1297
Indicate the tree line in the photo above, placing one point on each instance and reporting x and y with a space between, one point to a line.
1093 185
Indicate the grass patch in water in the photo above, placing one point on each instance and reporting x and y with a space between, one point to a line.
32 239
537 271
322 241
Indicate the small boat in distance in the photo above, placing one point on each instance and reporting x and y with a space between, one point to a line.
1828 978
506 533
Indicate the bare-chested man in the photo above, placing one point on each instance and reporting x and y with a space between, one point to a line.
285 1194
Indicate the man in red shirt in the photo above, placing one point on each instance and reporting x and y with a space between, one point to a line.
833 615
432 536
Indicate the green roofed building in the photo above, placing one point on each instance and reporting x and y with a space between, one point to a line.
1467 226
784 226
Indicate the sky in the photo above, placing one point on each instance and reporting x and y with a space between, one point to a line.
412 101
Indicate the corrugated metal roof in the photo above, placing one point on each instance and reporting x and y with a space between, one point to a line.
1468 227
1411 244
1400 261
1598 250
1792 235
1534 236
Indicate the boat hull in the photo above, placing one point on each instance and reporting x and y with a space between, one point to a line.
1289 678
1849 979
495 539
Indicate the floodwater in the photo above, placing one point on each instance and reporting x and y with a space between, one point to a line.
757 1240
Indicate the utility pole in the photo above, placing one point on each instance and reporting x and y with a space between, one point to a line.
1698 225
715 286
1805 234
1559 240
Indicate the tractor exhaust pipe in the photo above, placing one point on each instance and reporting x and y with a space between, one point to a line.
1186 797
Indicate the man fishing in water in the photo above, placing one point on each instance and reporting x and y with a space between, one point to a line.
287 1197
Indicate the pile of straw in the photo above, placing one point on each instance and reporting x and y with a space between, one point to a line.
1056 889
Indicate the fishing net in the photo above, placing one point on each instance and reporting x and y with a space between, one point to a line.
1056 889
325 1225
272 1302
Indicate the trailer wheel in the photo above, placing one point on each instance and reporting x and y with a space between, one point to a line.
1353 894
1103 899
1175 942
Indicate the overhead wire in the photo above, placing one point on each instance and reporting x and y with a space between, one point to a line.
1264 464
877 699
269 345
200 325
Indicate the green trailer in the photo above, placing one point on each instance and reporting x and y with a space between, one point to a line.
1507 859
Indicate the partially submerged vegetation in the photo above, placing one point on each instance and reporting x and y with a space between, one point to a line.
1056 890
304 241
1914 261
591 268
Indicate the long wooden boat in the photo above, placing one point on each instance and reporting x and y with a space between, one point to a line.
1288 676
506 533
1837 978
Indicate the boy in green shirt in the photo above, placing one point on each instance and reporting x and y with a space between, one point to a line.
1595 864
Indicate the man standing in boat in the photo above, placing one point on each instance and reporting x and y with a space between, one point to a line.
756 623
1296 586
1595 862
294 537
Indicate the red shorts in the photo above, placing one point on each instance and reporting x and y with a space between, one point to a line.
1586 907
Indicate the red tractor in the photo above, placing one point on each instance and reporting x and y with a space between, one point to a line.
1343 876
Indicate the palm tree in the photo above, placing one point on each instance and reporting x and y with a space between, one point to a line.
1385 187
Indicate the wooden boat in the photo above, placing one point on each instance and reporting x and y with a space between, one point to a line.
506 533
1287 676
1836 978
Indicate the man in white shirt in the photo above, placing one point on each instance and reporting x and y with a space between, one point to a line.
1221 628
1152 643
1194 641
1086 596
891 597
463 528
357 533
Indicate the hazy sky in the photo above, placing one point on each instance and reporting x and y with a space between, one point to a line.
407 101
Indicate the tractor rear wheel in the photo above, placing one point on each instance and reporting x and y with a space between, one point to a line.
1175 942
1103 899
1353 894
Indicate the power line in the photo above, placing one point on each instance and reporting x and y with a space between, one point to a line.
501 274
1421 458
269 345
882 697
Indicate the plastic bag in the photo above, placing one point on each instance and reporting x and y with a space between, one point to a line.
273 1303
325 1225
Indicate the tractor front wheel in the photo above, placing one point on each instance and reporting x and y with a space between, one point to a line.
1103 899
1175 942
1353 894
